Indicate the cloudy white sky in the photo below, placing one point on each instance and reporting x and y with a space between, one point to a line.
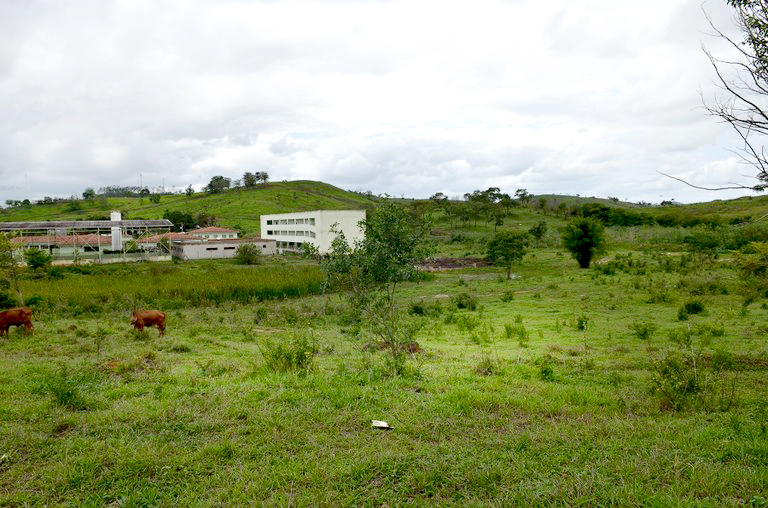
403 97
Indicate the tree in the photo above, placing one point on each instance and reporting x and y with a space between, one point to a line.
37 258
89 194
584 237
523 196
262 176
190 191
508 248
249 180
248 254
744 104
154 198
9 268
144 193
370 271
217 184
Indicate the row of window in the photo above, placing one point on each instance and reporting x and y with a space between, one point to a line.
310 221
310 234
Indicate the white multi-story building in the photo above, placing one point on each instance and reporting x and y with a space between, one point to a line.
292 230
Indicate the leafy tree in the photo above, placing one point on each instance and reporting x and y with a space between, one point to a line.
154 198
249 180
508 248
745 102
89 194
143 193
190 191
371 270
584 237
262 176
217 184
37 258
248 254
523 196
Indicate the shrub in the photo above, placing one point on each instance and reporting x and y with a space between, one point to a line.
465 301
584 238
508 296
248 254
643 331
65 389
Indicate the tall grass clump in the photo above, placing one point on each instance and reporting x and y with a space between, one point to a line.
288 353
65 389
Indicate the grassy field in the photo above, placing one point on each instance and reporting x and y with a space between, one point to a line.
638 382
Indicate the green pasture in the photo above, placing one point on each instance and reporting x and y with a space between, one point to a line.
557 387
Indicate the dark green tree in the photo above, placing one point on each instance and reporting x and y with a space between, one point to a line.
249 180
218 184
584 237
89 194
190 191
508 248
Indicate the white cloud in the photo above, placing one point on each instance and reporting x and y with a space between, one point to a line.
405 97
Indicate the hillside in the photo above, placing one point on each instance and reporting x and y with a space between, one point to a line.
238 208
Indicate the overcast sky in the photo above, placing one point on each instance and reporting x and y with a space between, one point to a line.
403 97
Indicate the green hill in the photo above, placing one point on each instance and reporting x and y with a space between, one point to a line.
240 208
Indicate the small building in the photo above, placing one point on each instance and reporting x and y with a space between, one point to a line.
292 230
152 243
214 233
190 249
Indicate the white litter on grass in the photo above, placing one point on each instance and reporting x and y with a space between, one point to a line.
380 424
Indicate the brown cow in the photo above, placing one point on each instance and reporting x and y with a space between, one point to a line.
142 318
17 316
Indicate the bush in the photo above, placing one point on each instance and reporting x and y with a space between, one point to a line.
584 238
643 331
692 307
465 301
248 254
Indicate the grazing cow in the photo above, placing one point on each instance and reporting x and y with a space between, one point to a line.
142 318
17 316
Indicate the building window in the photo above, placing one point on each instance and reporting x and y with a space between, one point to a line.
229 248
291 221
211 248
269 222
312 221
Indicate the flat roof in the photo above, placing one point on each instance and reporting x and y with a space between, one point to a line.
84 224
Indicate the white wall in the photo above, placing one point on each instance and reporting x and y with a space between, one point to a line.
313 227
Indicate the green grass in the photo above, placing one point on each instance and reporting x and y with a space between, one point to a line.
93 414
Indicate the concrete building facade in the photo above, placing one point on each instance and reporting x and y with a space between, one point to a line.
191 249
291 230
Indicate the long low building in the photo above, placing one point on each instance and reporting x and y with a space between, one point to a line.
190 249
